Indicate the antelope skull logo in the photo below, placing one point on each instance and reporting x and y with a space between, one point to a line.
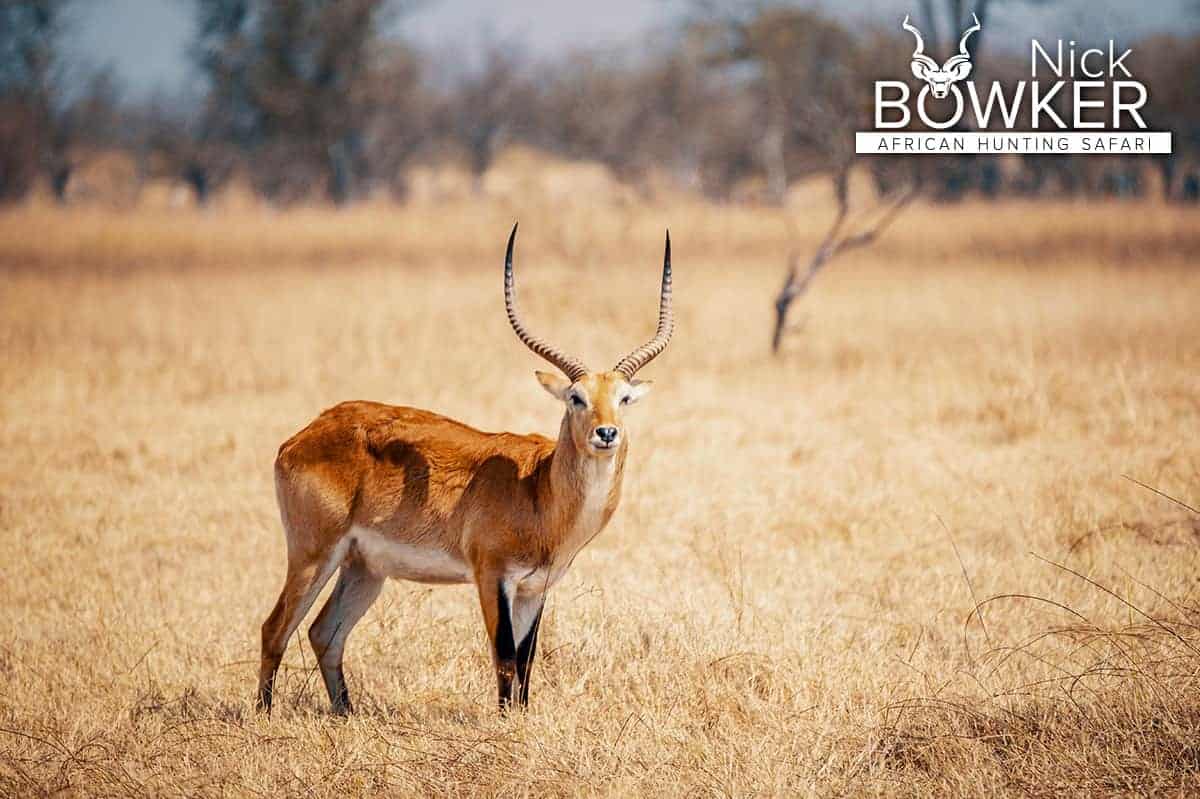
956 68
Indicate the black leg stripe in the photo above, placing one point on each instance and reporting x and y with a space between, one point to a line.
506 648
527 645
525 655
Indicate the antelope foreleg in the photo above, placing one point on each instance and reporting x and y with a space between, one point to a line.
494 600
526 651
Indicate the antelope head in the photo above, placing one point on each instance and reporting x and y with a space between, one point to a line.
595 401
956 68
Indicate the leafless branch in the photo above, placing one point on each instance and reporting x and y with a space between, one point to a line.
798 280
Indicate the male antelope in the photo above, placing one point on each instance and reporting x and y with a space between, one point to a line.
385 491
941 77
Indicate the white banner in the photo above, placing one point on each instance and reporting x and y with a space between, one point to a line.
1025 143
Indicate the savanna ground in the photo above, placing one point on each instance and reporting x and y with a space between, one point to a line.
783 604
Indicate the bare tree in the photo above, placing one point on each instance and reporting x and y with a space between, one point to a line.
813 82
230 123
1171 65
801 67
590 108
288 88
490 105
836 242
663 115
30 91
956 15
308 89
400 119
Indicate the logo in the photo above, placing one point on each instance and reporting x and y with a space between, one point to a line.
940 78
1076 101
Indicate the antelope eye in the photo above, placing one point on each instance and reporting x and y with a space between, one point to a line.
625 399
577 401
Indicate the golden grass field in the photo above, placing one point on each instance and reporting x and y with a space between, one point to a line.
783 603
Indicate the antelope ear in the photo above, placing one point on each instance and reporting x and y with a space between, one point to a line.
556 385
639 389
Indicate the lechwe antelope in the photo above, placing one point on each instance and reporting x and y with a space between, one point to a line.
385 491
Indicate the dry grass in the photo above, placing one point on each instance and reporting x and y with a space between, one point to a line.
783 604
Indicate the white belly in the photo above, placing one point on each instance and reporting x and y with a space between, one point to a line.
387 557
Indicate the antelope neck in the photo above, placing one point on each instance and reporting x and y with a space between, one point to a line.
577 482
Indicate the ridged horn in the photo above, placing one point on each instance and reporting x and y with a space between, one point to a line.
571 367
631 363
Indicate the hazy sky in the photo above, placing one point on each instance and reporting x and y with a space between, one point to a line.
145 41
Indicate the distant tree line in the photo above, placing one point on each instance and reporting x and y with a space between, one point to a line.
319 99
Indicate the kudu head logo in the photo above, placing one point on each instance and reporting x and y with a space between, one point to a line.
956 68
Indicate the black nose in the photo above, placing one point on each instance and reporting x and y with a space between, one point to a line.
606 434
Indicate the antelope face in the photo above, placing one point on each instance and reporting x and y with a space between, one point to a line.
940 79
596 403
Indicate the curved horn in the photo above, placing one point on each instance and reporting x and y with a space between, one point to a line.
962 45
631 363
955 61
571 367
920 42
924 61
